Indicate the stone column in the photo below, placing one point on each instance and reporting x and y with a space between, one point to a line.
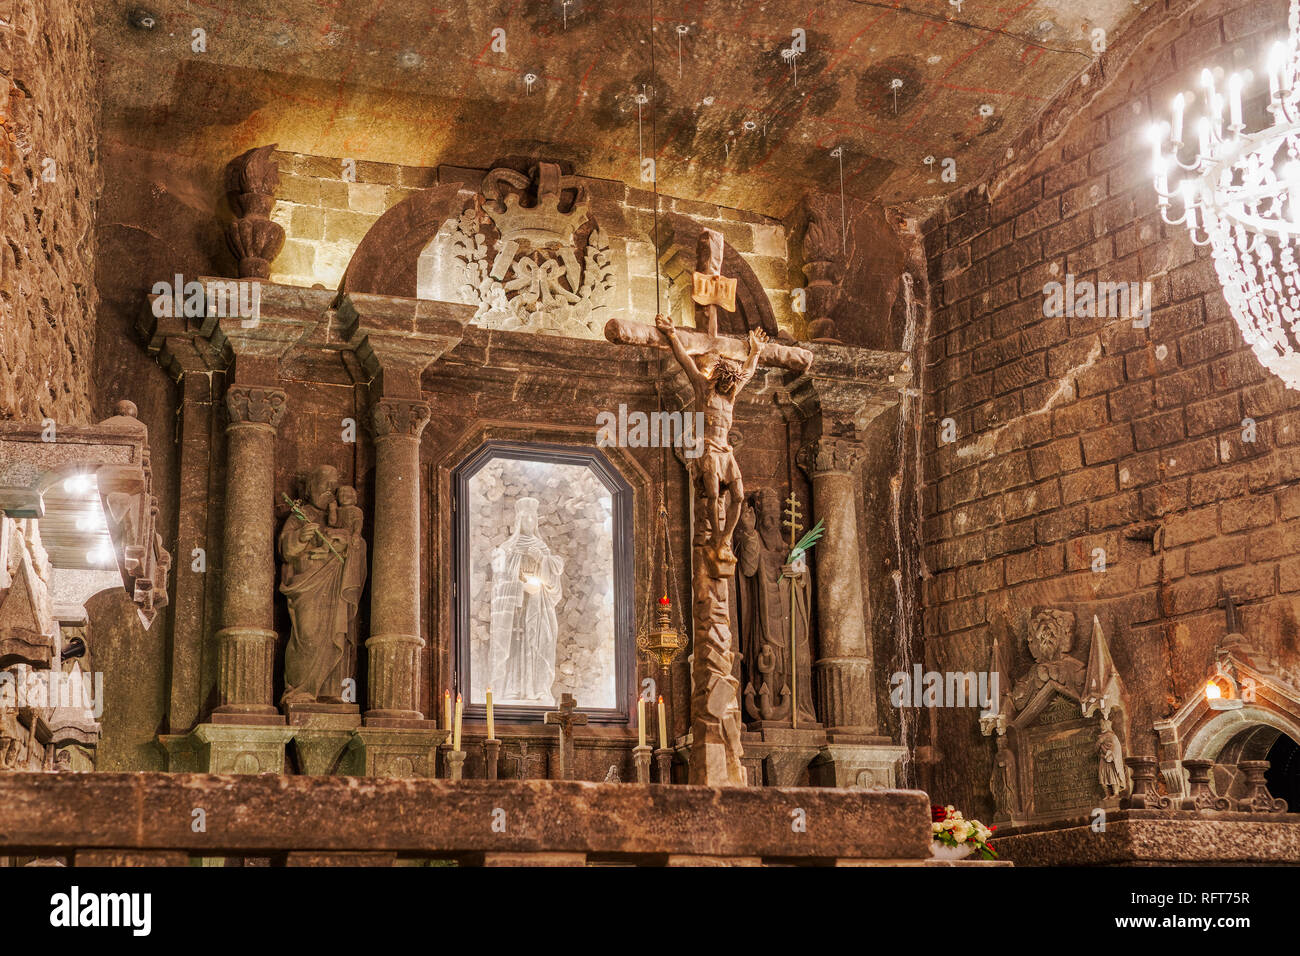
247 639
845 684
395 642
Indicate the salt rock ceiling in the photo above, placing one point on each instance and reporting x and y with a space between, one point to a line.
742 118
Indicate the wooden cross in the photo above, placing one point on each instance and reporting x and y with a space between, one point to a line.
710 290
566 717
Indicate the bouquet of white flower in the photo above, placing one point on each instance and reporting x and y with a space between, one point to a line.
950 828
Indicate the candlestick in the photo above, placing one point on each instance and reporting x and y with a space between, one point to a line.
491 726
455 763
446 711
642 756
663 725
491 755
640 721
664 757
455 737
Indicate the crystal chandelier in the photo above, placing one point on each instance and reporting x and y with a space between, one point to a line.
1241 196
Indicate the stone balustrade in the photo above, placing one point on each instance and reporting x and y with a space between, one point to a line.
148 819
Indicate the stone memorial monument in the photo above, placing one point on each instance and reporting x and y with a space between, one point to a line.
1058 751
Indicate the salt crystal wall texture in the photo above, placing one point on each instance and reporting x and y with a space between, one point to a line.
49 183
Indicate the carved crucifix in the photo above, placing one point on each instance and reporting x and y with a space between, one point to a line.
566 717
718 366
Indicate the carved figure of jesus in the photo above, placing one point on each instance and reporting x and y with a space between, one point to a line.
717 381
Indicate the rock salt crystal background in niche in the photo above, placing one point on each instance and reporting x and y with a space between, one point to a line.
574 519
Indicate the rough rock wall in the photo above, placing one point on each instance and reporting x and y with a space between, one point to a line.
49 182
1073 433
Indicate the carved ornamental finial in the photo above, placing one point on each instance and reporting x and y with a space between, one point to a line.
823 266
251 182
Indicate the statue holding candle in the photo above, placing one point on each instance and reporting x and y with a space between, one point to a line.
526 589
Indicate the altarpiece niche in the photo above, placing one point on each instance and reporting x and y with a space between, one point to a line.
543 581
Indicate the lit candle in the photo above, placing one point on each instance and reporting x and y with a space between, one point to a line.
491 727
1234 100
1207 81
1180 104
663 725
1203 133
640 721
1276 63
446 710
455 737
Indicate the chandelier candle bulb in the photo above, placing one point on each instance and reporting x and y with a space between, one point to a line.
455 737
491 728
640 721
1180 104
663 725
1247 188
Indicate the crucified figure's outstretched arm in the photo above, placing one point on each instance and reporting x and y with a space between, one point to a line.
665 325
756 339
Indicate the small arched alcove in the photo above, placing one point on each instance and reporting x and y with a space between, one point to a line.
1251 733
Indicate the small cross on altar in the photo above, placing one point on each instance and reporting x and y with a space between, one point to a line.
566 717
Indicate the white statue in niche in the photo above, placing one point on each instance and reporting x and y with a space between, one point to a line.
525 592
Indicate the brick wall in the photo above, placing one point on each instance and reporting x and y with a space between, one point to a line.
1079 433
49 181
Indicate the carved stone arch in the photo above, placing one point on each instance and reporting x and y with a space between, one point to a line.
678 237
386 261
1236 727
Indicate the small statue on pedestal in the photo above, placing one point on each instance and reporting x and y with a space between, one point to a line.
1110 765
1003 781
322 576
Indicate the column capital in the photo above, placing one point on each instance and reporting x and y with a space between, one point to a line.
849 386
398 416
257 405
830 454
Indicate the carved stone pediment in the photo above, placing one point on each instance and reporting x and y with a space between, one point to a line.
529 255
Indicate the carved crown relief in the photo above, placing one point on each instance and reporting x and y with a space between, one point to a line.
530 256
